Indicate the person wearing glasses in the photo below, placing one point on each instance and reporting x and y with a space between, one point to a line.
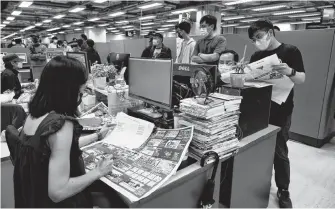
209 48
262 34
228 60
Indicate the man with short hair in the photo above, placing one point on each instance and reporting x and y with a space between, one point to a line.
53 44
19 43
185 49
227 61
262 34
208 49
159 50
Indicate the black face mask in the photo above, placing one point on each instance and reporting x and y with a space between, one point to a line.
80 99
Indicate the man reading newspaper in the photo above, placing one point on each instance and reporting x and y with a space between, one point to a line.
262 34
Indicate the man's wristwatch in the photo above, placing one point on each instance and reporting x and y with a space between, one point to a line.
292 73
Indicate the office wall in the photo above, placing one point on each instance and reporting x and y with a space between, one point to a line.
70 36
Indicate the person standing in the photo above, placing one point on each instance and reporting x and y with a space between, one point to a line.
262 34
53 44
159 50
92 54
208 49
9 77
84 46
186 47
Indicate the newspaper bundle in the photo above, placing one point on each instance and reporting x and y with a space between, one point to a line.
139 172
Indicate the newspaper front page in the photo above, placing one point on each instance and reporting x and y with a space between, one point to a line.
138 173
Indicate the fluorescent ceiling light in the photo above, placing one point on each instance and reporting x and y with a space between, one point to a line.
233 17
5 22
13 34
289 12
16 12
148 6
46 21
10 18
111 28
229 25
115 31
61 32
171 25
94 19
144 28
184 10
26 4
311 19
89 27
100 1
129 29
78 23
2 25
78 29
250 20
49 34
301 22
173 20
66 26
306 15
326 6
59 16
268 7
52 29
28 28
162 29
38 24
148 23
147 17
122 22
121 34
116 14
237 2
103 25
77 9
243 26
127 26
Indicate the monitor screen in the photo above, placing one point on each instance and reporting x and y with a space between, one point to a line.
150 80
119 60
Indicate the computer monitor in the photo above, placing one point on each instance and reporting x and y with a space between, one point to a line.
119 60
182 73
150 80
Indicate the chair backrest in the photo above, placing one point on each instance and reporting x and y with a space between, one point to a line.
13 141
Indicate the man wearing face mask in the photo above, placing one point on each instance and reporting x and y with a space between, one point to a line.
262 34
186 47
158 50
228 59
37 51
208 49
9 77
53 44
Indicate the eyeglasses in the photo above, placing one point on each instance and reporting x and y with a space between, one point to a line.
259 36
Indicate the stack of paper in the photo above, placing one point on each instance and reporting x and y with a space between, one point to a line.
214 124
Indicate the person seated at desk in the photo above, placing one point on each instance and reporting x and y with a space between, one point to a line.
9 77
228 59
53 44
159 50
66 47
49 169
37 50
209 48
19 43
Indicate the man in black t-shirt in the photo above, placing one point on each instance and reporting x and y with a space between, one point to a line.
262 34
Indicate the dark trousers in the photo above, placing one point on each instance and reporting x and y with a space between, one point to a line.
281 160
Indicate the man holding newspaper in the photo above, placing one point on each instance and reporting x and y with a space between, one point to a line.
283 67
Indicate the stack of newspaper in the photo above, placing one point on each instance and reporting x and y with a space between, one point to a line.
214 123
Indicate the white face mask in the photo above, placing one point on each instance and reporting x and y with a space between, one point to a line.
223 68
263 43
19 65
154 42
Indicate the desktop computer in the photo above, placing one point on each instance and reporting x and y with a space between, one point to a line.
150 80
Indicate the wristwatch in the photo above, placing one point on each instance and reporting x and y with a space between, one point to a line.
292 73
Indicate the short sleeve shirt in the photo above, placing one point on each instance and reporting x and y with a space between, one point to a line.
216 44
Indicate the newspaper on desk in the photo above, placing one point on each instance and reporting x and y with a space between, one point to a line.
260 74
139 172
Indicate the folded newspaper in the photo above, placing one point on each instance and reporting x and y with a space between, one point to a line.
139 170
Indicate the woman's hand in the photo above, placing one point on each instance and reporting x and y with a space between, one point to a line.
105 166
104 131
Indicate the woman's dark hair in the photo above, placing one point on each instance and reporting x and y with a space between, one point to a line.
231 52
90 43
209 20
262 24
59 42
80 42
185 26
59 87
84 36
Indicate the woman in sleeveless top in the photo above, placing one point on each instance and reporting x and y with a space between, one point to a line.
48 168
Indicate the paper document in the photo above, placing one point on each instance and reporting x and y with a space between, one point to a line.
129 132
257 84
262 69
281 89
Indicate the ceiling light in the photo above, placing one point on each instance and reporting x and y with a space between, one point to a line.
121 34
5 22
184 11
301 22
94 19
289 12
233 17
243 26
147 17
16 12
46 21
268 7
162 29
27 28
173 20
61 32
38 24
111 28
52 29
171 25
66 26
148 23
311 19
10 18
77 9
129 29
306 15
237 2
2 25
249 20
122 22
147 6
100 1
59 16
13 34
89 27
229 25
116 14
103 25
144 28
26 4
127 26
326 6
78 29
115 31
78 23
